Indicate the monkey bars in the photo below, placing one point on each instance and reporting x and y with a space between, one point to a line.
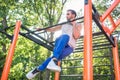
88 46
88 67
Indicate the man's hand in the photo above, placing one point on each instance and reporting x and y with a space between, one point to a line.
73 23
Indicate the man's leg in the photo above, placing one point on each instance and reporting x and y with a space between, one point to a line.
35 71
66 52
60 44
44 64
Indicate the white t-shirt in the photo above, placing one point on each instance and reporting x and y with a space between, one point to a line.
68 29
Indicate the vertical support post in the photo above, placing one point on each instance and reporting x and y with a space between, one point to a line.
57 74
116 61
88 68
11 52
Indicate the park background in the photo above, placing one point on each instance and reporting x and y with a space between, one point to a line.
40 14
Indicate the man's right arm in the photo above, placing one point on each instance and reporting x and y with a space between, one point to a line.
53 29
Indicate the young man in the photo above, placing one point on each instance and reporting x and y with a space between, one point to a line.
64 45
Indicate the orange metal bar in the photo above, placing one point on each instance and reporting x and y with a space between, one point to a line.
112 21
109 10
118 22
57 74
106 29
116 61
11 52
88 69
114 27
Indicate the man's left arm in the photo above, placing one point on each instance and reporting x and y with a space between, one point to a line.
77 31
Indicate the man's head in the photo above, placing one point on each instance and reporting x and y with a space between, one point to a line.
71 14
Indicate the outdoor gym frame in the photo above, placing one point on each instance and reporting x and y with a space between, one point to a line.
88 56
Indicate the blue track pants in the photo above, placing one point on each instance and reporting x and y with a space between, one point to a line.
61 50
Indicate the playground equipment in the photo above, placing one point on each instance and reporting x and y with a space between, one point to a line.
90 13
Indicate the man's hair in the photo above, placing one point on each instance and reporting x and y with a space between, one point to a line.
72 11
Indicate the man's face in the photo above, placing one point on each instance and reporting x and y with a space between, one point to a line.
70 16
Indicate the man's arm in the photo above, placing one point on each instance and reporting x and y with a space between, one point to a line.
77 30
53 29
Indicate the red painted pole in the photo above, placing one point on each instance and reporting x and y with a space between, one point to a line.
109 10
57 74
11 52
106 29
118 22
111 20
88 69
116 60
114 27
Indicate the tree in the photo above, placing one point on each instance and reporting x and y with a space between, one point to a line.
32 13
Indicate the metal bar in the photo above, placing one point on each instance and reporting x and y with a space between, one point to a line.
100 27
11 52
30 37
7 35
95 35
35 35
112 21
57 25
105 28
88 69
43 39
95 46
57 74
100 45
94 39
6 28
82 66
114 27
83 58
78 75
79 44
116 60
93 49
109 10
94 9
118 22
72 75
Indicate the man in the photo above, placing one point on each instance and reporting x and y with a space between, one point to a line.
64 45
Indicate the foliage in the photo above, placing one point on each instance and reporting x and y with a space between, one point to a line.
26 59
105 5
28 55
36 13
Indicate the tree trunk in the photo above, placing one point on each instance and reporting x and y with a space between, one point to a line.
4 23
4 47
40 76
47 77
